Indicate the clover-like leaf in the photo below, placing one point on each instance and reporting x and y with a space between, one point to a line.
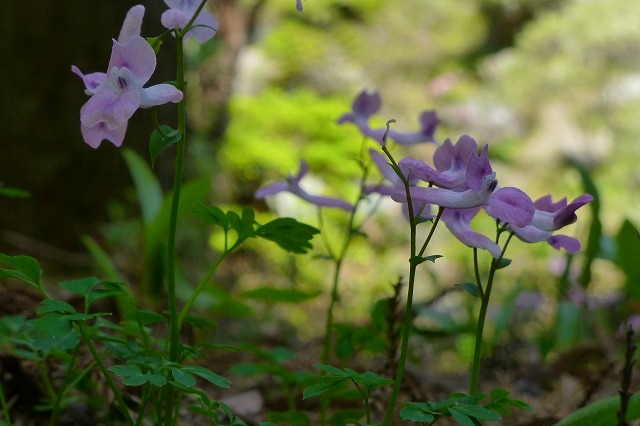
208 375
184 378
54 305
23 268
417 412
162 138
289 234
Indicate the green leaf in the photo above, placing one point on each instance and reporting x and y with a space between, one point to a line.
84 317
504 262
320 388
24 268
125 370
627 249
331 369
289 234
208 375
461 418
161 139
147 186
471 288
53 324
212 215
83 286
135 380
477 412
6 191
53 305
185 379
157 380
63 342
417 260
416 414
498 394
602 413
108 289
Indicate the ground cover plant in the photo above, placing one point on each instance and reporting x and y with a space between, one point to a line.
109 355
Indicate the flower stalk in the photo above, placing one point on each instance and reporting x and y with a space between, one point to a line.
485 295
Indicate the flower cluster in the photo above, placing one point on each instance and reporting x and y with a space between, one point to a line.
119 92
461 182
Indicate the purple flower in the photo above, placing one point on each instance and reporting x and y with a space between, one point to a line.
450 163
550 217
423 210
299 5
130 27
106 113
479 188
292 184
366 104
458 221
118 93
204 27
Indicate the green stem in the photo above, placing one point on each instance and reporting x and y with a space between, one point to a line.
105 373
55 412
328 333
5 407
174 326
406 333
338 260
201 285
485 295
408 315
73 384
174 331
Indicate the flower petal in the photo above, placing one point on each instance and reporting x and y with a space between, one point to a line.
322 201
478 168
174 18
449 156
110 107
458 222
442 197
95 134
429 121
92 82
511 205
571 245
567 215
136 55
159 94
132 23
271 189
205 27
